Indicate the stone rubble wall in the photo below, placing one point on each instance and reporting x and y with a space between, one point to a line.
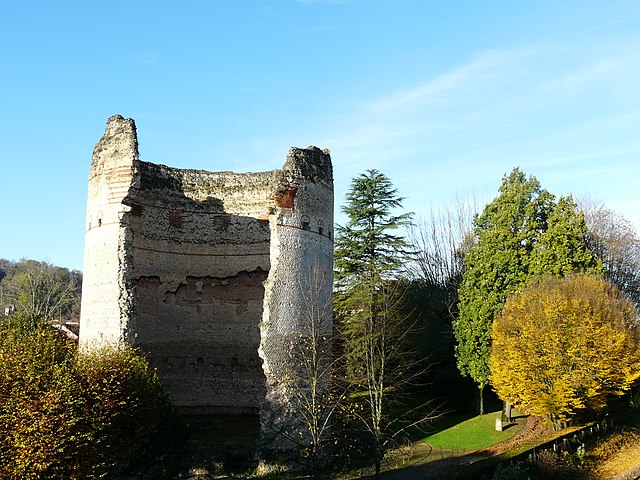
302 263
206 271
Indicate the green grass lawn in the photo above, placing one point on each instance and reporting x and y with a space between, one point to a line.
473 434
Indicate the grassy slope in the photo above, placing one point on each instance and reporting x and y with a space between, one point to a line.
473 434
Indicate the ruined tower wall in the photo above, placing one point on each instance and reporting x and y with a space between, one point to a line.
299 285
105 296
200 256
204 270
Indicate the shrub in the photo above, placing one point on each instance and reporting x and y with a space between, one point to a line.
64 415
38 396
127 411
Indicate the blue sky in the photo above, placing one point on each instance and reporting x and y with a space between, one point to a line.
444 97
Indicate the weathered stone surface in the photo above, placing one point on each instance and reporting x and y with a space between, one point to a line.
205 271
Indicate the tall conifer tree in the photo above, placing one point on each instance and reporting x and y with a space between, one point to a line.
369 255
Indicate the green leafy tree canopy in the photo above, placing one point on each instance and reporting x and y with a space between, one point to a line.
522 232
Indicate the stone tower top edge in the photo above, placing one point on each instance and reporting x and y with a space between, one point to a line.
118 146
311 162
308 162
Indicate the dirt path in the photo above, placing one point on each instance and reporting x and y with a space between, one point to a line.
427 462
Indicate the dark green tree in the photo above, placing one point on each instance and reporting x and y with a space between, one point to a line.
368 250
562 248
369 255
369 246
522 232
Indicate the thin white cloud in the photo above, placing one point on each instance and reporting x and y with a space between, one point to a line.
606 25
553 110
482 70
438 107
618 71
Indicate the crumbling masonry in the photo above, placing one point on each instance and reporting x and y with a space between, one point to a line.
207 272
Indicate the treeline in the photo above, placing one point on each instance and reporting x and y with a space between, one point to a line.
471 261
40 291
437 296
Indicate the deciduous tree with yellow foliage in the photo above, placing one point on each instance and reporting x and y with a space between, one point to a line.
564 345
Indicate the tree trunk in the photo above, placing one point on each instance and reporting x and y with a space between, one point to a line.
378 460
481 391
507 411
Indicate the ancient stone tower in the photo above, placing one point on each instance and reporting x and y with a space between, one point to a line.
208 272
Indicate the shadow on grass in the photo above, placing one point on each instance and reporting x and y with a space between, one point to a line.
510 425
448 421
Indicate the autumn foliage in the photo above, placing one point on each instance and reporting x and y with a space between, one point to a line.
524 232
563 345
75 417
